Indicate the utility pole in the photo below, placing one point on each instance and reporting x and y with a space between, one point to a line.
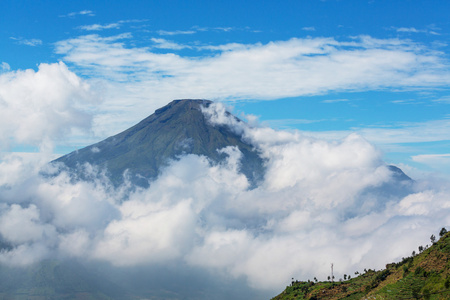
332 276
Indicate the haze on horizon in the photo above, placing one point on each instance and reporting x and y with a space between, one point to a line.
333 92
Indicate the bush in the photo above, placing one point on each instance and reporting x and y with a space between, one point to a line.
419 271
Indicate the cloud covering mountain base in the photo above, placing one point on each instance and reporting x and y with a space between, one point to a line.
320 202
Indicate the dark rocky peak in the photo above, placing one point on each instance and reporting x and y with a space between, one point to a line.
176 129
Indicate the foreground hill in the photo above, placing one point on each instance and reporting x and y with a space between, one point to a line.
422 276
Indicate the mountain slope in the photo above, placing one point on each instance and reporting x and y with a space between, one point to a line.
175 129
422 276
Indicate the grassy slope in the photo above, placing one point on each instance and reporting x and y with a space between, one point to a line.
424 276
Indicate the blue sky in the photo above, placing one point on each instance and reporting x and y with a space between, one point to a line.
327 68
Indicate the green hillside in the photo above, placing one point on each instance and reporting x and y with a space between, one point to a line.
422 276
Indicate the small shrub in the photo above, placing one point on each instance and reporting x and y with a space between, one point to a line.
419 271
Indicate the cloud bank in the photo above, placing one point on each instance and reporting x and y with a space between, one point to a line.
321 202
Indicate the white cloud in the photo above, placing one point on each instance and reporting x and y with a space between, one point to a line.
408 29
176 32
275 70
415 30
165 44
444 99
335 100
38 107
435 161
115 25
98 27
22 225
5 66
28 42
310 28
398 133
85 12
295 67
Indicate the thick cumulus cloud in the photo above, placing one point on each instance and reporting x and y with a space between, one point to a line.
319 203
43 105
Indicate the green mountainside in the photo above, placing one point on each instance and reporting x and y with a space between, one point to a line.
422 276
173 130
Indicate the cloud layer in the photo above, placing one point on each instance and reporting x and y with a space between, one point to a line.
264 71
320 203
148 77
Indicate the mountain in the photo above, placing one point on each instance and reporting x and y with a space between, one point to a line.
176 129
422 276
173 130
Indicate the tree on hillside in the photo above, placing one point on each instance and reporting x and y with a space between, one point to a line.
442 232
433 239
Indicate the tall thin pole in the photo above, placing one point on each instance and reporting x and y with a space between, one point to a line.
332 276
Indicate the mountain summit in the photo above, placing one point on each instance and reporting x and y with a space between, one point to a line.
173 130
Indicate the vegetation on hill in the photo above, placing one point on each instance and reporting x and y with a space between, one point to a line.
424 275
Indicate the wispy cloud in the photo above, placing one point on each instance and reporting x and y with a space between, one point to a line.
225 47
335 100
5 66
219 29
98 27
396 135
288 123
28 42
311 28
415 30
176 32
296 67
435 161
88 13
286 68
165 44
115 25
444 99
409 29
